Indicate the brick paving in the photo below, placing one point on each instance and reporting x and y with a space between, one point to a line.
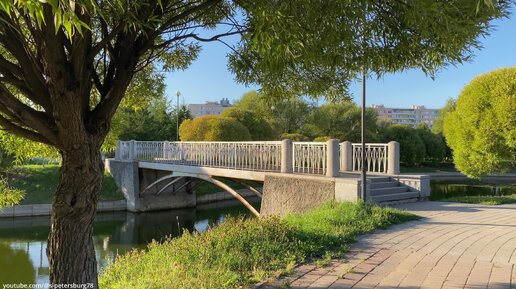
453 246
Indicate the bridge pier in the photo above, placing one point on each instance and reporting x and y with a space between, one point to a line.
133 180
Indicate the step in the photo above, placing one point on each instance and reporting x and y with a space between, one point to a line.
389 190
390 184
395 197
379 179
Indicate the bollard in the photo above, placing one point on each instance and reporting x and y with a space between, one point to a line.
287 165
332 158
393 160
346 157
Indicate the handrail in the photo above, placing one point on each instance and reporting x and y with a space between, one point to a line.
307 157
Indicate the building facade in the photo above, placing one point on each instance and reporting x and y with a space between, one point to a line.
408 116
209 108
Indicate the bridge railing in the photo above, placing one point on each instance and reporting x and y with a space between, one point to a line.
309 157
317 158
259 156
379 157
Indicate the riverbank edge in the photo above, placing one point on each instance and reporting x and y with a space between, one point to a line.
107 206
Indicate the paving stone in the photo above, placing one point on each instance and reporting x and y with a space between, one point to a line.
455 246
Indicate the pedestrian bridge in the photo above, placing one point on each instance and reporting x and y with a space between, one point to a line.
285 168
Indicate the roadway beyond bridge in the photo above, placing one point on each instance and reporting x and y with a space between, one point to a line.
295 176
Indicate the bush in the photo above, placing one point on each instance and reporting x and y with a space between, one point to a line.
213 128
322 138
435 148
294 137
257 126
481 131
412 148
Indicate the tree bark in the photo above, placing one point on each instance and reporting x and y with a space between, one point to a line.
70 243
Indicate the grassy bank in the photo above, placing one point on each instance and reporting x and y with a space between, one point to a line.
39 183
241 252
483 200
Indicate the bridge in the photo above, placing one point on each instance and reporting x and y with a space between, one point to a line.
295 176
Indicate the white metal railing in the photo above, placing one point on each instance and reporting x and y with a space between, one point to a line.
309 157
260 156
376 157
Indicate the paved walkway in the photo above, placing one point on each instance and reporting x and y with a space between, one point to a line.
455 246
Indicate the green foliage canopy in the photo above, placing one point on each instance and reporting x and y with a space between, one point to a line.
412 148
481 130
258 127
340 120
213 128
435 148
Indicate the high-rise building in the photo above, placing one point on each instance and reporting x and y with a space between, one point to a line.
408 116
209 108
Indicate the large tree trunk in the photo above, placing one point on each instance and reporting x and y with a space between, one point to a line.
70 244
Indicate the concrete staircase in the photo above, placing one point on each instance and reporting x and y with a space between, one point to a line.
386 190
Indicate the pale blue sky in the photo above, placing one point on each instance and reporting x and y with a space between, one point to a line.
208 78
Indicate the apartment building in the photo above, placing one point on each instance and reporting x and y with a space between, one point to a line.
209 108
408 116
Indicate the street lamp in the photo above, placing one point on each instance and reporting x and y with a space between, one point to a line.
178 93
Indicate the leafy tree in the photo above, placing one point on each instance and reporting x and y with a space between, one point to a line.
481 131
213 128
435 148
284 115
294 137
412 148
341 120
449 107
258 127
66 66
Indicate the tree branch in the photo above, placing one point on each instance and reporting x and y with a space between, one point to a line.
23 132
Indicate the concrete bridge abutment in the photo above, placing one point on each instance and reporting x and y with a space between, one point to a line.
133 181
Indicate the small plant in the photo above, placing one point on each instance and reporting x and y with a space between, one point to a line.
8 195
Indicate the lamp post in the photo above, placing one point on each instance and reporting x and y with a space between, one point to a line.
178 93
363 174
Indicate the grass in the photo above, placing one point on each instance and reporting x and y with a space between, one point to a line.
429 168
39 183
483 200
240 252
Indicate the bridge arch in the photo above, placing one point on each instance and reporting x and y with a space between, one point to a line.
175 177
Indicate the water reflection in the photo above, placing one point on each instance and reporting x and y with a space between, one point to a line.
23 240
441 190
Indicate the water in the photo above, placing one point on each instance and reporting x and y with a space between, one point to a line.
441 190
23 240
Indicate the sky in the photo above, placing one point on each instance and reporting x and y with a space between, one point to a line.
208 78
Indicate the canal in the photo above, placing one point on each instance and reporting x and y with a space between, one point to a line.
23 240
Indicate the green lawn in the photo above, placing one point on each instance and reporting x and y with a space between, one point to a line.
428 169
40 181
483 200
240 252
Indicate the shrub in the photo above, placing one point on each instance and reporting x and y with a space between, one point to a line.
435 148
294 137
258 127
322 138
412 148
481 131
213 128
